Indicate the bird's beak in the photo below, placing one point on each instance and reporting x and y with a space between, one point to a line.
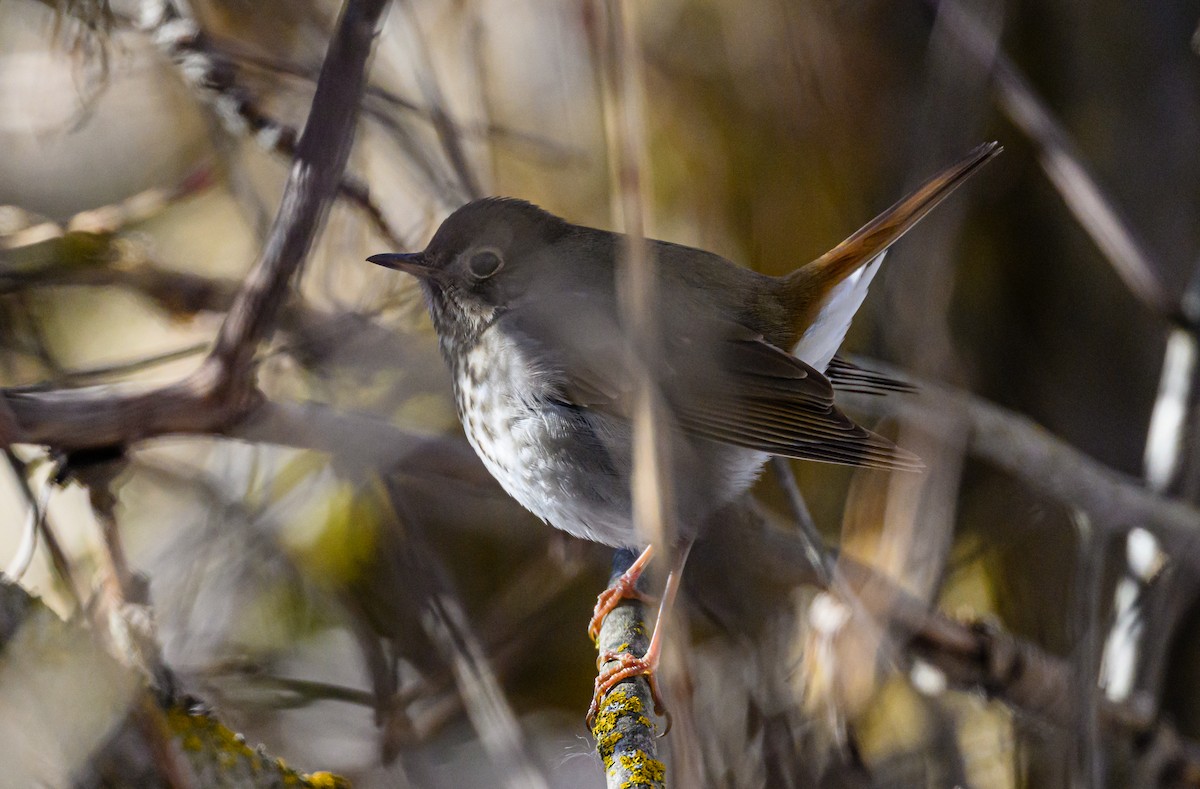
409 262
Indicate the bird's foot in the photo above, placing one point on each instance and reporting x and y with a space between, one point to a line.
622 666
624 588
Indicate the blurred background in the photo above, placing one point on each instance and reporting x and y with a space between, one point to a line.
292 588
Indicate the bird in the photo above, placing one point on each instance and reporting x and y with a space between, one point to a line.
526 310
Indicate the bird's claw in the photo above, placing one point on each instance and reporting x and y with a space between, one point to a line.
624 666
624 588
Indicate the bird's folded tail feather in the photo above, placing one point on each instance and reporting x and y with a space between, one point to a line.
811 282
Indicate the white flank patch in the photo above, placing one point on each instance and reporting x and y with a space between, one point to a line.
825 336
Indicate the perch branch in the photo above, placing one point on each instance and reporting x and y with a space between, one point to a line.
625 735
624 732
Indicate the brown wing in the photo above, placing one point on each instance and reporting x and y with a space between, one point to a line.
765 399
723 382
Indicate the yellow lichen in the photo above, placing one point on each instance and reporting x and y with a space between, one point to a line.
208 740
643 770
326 780
605 745
619 704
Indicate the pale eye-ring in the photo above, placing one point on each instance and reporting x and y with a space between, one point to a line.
484 263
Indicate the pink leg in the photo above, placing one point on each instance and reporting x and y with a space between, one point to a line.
629 666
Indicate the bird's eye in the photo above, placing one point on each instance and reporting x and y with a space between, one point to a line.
484 264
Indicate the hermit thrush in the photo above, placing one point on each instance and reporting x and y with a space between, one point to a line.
526 311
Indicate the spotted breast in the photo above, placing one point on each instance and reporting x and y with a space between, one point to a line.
566 465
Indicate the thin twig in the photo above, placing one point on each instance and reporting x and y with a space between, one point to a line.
818 557
444 620
481 694
294 692
317 335
79 377
447 130
215 78
58 557
23 228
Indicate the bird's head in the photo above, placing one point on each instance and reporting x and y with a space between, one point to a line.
480 261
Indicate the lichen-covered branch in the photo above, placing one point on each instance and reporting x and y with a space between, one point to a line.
73 698
626 737
218 756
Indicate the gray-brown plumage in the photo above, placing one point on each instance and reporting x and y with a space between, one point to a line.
525 307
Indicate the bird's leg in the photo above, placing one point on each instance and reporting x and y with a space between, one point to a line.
624 588
625 665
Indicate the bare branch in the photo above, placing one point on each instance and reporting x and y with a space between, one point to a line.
1021 447
21 228
222 390
321 156
972 656
177 292
447 131
214 76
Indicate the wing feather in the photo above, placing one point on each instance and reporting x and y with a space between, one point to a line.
723 382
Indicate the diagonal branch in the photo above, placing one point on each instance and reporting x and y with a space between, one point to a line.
314 180
222 390
968 655
1018 445
1064 166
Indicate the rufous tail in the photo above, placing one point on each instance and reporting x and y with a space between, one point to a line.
809 283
